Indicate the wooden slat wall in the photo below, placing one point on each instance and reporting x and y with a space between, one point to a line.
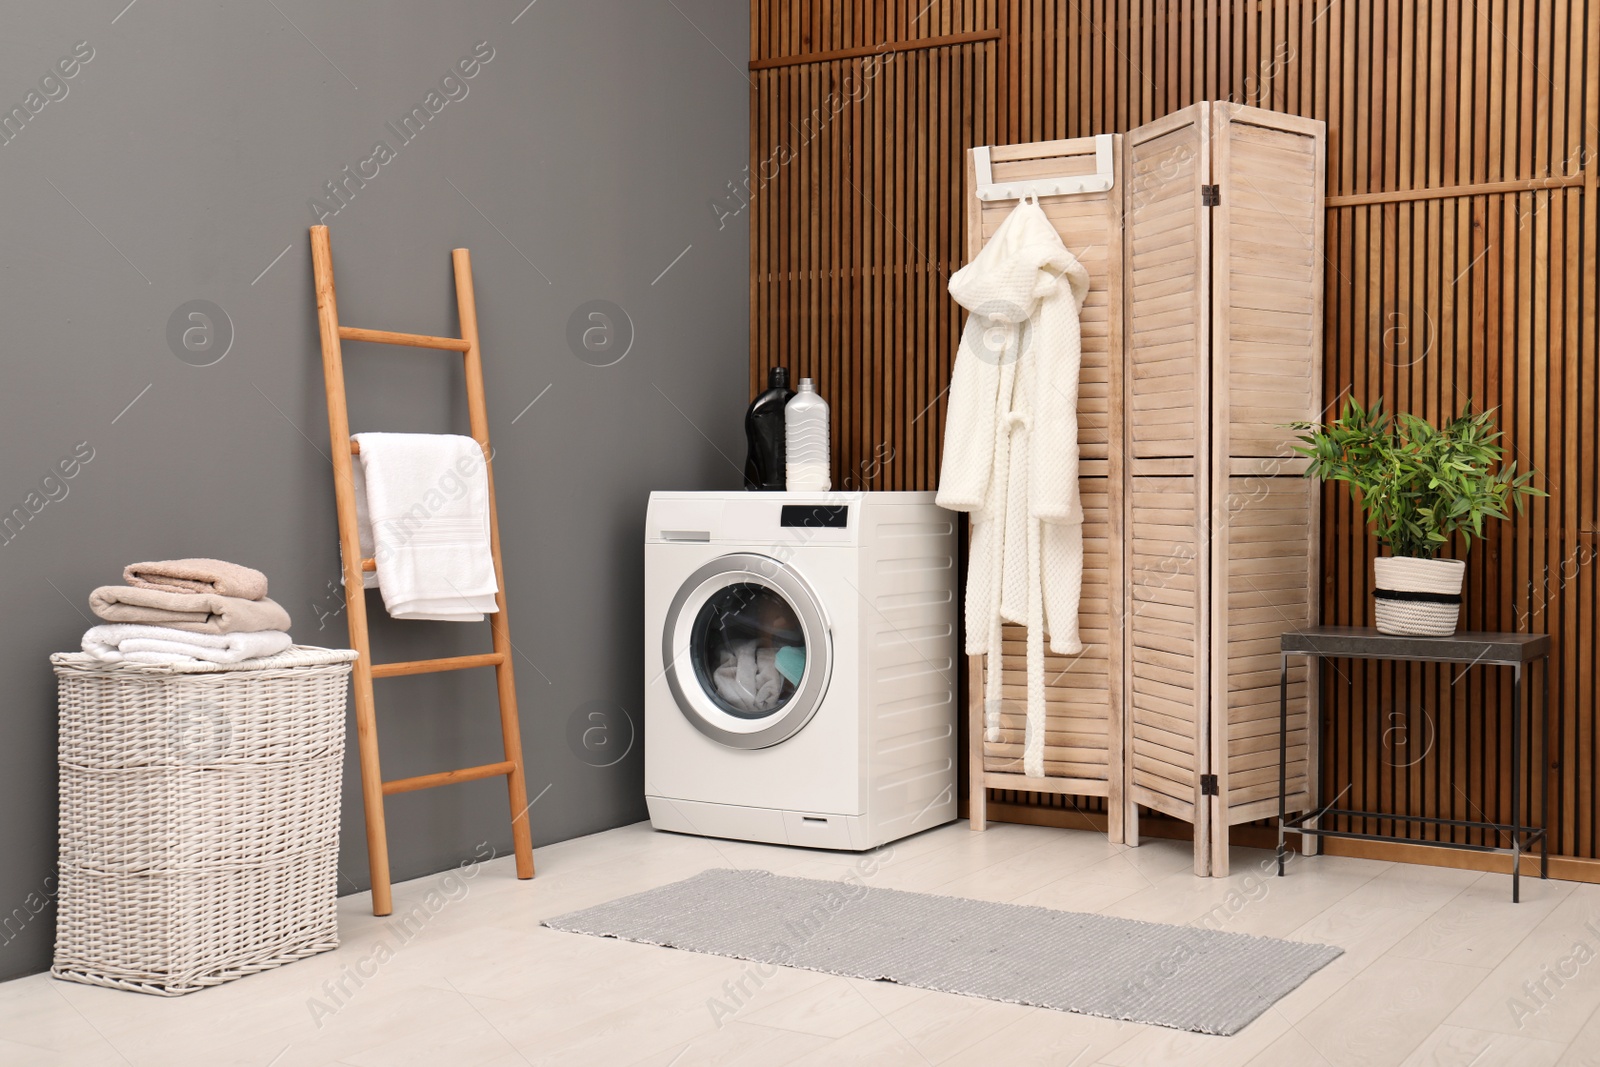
1461 240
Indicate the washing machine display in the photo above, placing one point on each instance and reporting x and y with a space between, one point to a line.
747 651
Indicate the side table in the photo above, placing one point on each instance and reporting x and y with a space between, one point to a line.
1469 649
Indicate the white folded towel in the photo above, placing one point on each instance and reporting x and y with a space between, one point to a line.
130 642
422 507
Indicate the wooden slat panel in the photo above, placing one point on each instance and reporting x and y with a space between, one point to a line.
1166 630
1436 289
1268 519
1267 271
1167 313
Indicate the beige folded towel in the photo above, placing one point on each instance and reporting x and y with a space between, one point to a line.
197 576
201 613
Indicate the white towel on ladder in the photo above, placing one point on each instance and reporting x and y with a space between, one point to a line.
422 509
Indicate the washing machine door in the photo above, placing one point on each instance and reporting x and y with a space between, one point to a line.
748 650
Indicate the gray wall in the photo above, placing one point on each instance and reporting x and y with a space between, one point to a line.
179 164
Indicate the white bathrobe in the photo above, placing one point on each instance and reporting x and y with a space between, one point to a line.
1011 452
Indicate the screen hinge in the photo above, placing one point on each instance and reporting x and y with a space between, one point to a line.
1208 785
1210 195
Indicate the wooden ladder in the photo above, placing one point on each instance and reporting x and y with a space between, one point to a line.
373 787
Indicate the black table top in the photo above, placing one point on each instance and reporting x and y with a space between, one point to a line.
1364 642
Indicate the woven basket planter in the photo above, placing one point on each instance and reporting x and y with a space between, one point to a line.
199 825
1417 597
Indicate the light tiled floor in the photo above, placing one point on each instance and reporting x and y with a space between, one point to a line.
1439 968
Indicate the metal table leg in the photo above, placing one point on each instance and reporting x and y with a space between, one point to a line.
1283 753
1516 782
1544 771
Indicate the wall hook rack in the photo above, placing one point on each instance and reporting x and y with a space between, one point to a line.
1100 181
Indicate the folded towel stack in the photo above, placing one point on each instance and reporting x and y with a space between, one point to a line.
187 611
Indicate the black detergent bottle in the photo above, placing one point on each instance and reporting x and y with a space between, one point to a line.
763 428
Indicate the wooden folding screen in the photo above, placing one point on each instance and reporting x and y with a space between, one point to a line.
1083 732
1202 344
1224 283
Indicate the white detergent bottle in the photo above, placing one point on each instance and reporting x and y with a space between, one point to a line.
805 429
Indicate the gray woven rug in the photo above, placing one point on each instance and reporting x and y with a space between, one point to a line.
1186 977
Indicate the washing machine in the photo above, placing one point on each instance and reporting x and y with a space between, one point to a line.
800 666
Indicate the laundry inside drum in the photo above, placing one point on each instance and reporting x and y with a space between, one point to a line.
748 650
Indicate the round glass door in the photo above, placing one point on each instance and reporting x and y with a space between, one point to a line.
747 651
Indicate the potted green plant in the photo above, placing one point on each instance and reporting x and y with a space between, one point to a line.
1419 485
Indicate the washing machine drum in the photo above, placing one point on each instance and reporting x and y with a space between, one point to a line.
748 651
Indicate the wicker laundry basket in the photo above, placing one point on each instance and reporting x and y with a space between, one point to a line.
199 818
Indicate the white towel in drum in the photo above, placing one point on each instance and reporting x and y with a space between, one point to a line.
422 508
119 642
747 678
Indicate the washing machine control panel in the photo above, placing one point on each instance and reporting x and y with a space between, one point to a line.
756 521
815 516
